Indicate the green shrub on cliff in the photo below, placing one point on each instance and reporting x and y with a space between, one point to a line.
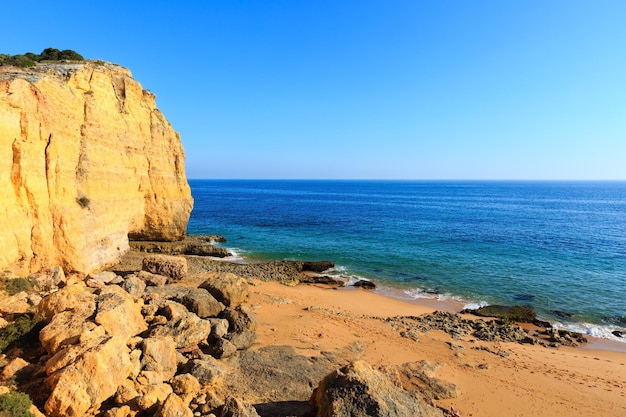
30 59
13 286
15 404
24 329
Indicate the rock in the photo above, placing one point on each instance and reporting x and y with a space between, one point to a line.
134 285
73 297
234 407
13 368
126 392
206 370
153 396
173 267
241 340
89 161
186 386
17 303
227 288
187 331
104 277
219 328
159 355
118 313
618 333
49 279
83 376
154 280
359 390
123 411
65 329
419 377
365 284
224 348
520 314
173 406
318 267
190 245
202 303
322 279
240 318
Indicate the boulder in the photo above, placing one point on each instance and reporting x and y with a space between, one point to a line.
227 288
50 279
159 355
153 395
223 348
134 285
520 314
83 376
150 279
359 390
17 303
187 331
118 313
319 266
73 297
201 302
365 284
234 407
240 318
205 369
186 386
173 267
173 406
65 329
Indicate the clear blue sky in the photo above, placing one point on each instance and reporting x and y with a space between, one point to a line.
428 89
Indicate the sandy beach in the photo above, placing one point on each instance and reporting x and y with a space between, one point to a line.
492 379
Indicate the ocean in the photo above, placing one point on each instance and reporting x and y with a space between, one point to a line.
559 247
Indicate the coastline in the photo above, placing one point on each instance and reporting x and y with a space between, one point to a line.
484 378
451 304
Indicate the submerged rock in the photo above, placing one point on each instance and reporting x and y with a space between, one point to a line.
520 314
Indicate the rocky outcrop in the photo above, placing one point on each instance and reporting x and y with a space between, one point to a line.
359 390
86 160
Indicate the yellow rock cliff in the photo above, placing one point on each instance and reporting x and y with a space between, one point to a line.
86 160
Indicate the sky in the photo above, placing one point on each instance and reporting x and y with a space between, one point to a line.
363 89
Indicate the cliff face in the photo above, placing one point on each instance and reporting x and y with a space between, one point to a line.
86 160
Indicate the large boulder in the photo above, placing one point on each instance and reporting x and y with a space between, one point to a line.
73 297
83 376
118 313
359 390
227 288
159 355
186 330
65 329
173 267
173 406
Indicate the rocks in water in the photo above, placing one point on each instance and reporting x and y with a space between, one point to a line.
618 333
322 279
200 245
365 284
228 288
318 267
558 337
520 314
359 390
173 267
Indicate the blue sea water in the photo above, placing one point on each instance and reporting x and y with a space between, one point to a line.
559 247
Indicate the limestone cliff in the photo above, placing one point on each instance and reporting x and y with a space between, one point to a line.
86 160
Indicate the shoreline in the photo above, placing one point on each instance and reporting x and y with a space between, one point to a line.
454 305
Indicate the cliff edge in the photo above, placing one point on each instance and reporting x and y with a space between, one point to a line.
86 161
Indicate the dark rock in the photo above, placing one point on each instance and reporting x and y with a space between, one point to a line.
206 369
322 279
563 315
240 318
191 245
618 333
241 340
222 348
520 314
202 303
318 267
359 390
365 284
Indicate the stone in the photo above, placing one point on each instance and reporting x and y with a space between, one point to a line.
365 284
126 392
202 303
520 314
17 303
134 286
206 370
153 396
83 376
13 368
173 406
87 161
234 407
219 328
187 331
241 340
173 267
227 288
118 313
240 318
318 267
123 411
150 279
49 279
71 298
65 329
359 390
104 277
159 355
223 348
186 386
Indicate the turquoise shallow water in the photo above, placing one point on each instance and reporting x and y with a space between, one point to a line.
557 246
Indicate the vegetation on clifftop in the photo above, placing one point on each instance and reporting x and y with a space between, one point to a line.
30 59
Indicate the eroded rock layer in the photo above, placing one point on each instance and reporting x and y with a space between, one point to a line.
86 160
